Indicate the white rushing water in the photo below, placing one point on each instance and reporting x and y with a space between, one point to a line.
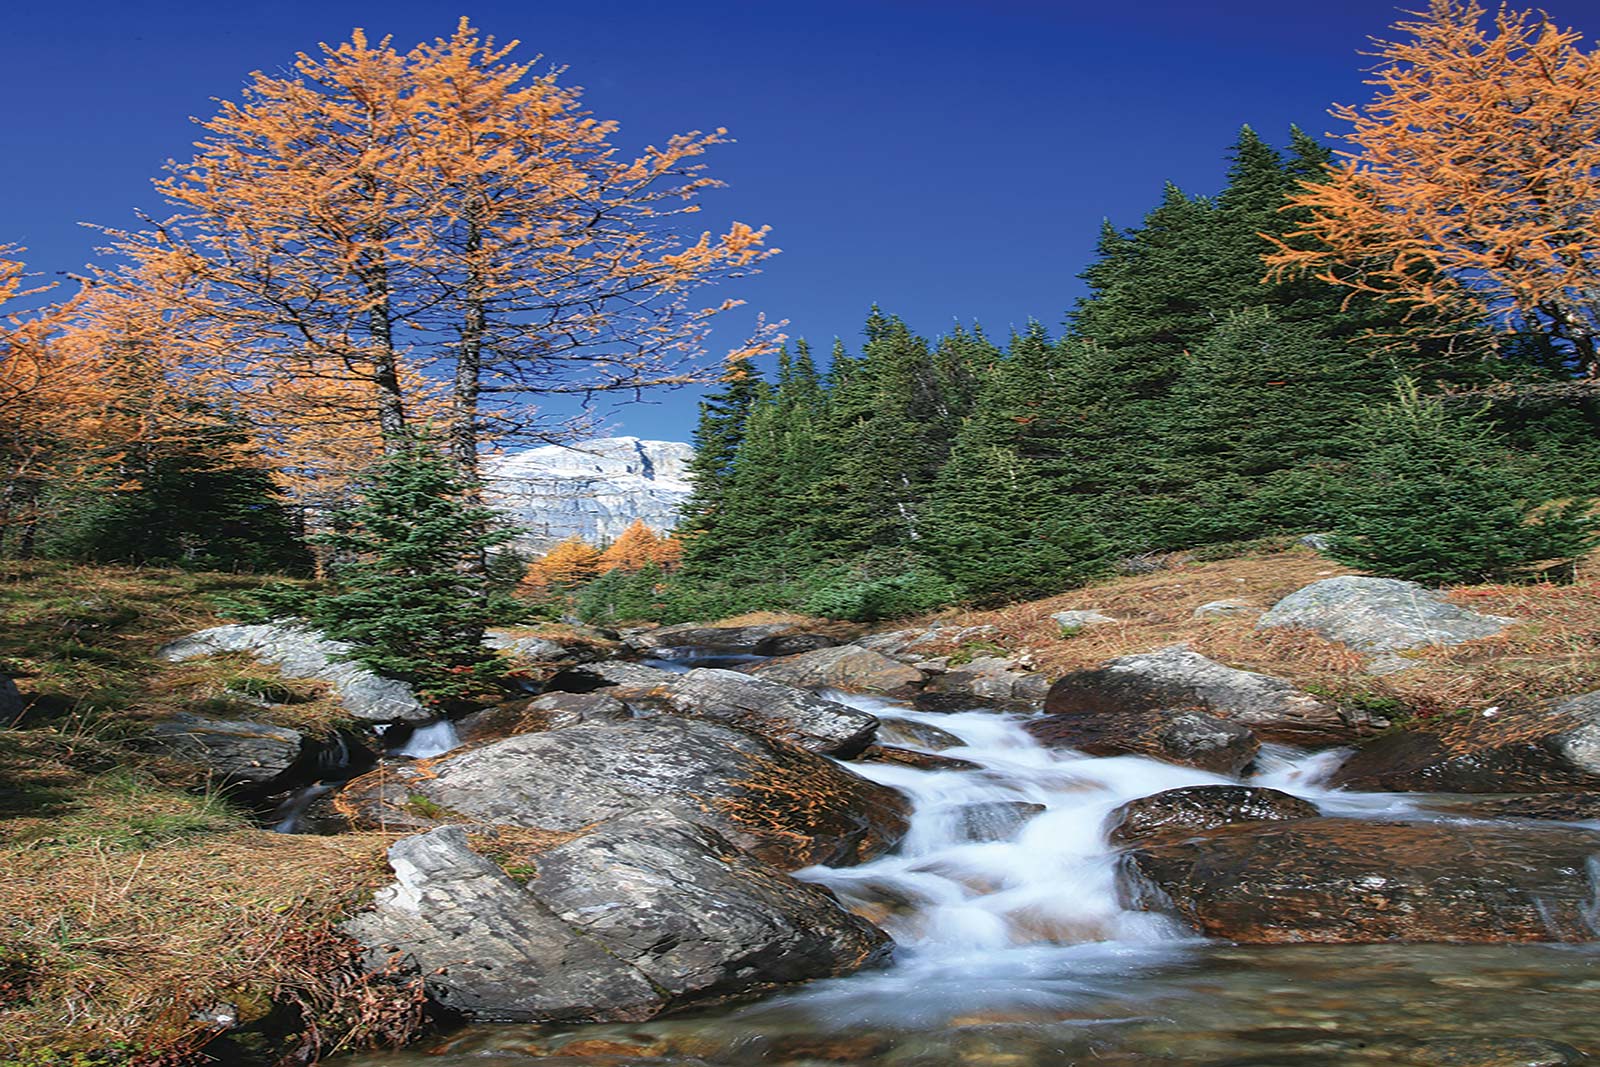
428 740
1030 920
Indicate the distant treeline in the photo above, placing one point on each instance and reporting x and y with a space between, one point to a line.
1189 402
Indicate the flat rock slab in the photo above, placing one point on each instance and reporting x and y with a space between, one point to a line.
1511 751
1080 620
848 667
1177 677
1351 881
236 753
788 806
301 653
1185 736
1203 807
734 698
766 639
1380 615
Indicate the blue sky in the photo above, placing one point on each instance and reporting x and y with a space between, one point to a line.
948 160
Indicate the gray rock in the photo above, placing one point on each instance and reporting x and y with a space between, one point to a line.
696 916
300 653
1078 620
11 704
920 734
776 800
1175 735
1523 750
488 948
1380 615
1218 609
760 640
1174 677
627 680
996 679
553 711
1317 542
593 489
536 649
236 753
1203 807
848 667
642 914
771 709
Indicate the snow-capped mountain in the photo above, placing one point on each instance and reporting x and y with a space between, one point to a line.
592 488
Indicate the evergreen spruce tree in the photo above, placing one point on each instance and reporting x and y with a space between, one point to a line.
1438 498
408 594
717 438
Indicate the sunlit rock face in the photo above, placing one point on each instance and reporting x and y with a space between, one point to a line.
591 488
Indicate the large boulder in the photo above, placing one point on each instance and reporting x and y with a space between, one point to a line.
766 639
1202 807
1380 614
1357 881
621 679
529 647
766 707
1177 735
235 753
300 653
552 711
641 915
1492 751
1177 677
848 667
786 805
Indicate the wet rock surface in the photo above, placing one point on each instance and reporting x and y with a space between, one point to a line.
1177 677
1202 807
848 667
994 679
1551 807
1352 881
770 708
1512 751
1380 615
1185 736
301 653
785 805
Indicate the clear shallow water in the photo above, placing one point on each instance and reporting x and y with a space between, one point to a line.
1015 952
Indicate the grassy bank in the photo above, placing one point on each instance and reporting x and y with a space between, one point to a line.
136 905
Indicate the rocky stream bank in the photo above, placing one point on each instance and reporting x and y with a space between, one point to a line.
721 845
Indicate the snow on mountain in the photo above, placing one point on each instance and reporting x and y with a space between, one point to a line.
592 488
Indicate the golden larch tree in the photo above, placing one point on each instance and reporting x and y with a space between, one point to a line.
568 563
635 548
1472 182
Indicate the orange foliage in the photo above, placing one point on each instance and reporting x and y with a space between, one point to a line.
1473 183
637 548
375 227
568 563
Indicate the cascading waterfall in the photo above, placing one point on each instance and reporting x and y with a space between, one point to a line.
428 740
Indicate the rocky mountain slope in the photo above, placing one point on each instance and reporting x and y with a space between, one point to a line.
592 488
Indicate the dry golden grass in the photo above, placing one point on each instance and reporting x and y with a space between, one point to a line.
1553 651
114 949
807 623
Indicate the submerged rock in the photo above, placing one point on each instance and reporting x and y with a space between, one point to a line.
1185 736
1202 807
1494 751
1177 677
786 805
848 667
301 653
1380 615
767 707
1352 881
1544 807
